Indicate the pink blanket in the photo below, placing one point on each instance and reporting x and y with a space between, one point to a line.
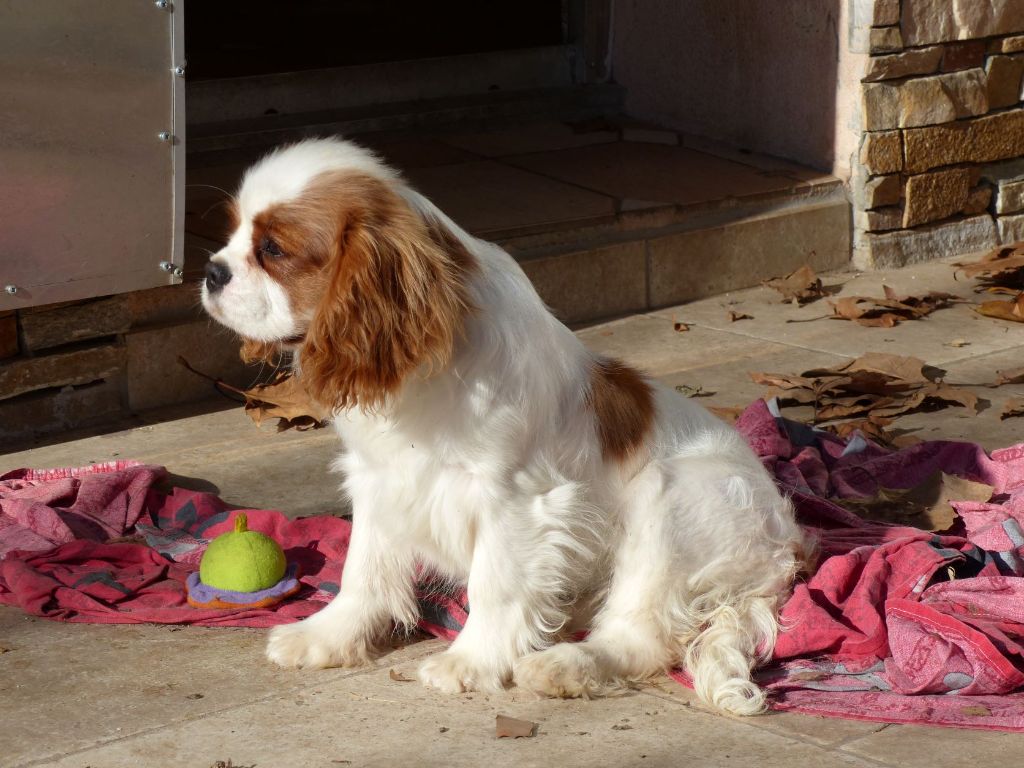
896 625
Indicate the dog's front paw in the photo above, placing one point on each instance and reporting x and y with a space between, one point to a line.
456 672
564 670
311 645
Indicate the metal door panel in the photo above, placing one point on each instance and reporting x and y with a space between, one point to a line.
91 196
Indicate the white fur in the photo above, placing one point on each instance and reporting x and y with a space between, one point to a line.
490 472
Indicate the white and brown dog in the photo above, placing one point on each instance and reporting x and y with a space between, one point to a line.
482 441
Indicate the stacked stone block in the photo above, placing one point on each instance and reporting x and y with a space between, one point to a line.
939 170
78 364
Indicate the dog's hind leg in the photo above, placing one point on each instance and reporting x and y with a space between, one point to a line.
707 549
631 637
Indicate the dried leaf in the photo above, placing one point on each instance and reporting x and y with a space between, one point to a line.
726 413
688 391
998 262
875 385
887 312
926 506
283 398
873 427
800 286
898 367
809 675
398 677
933 395
510 727
976 710
681 327
1012 310
1012 408
286 399
782 381
957 343
734 316
1011 376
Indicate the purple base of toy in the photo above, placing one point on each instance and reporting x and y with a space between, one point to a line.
204 596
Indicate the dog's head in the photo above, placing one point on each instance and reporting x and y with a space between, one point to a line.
330 257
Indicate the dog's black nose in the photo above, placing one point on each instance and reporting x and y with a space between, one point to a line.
217 275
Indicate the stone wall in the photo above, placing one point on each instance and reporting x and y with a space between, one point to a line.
65 366
939 169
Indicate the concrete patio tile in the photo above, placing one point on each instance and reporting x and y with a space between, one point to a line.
488 197
68 687
371 720
652 345
810 325
653 172
530 137
914 746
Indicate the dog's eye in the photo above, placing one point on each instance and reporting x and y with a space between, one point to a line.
270 249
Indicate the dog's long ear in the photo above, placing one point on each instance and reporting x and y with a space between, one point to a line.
253 351
396 298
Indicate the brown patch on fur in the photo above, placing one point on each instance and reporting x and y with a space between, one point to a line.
623 402
384 290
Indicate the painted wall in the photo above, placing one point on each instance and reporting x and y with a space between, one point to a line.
758 75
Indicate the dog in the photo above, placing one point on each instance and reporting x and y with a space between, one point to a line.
484 443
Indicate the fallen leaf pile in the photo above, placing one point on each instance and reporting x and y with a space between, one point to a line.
1000 271
877 386
800 286
924 506
1001 268
282 398
887 312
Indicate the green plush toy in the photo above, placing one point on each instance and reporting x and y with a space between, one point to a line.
242 561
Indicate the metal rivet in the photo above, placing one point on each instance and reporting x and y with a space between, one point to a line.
174 269
163 4
165 136
179 71
11 289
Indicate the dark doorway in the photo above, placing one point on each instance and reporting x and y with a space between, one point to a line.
235 38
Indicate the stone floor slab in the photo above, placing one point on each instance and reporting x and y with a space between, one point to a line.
371 720
914 746
489 198
67 687
531 137
652 172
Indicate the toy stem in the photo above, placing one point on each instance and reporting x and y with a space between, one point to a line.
241 523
